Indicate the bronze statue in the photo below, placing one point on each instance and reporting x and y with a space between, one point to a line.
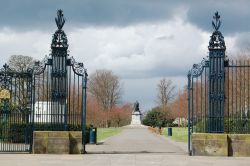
136 107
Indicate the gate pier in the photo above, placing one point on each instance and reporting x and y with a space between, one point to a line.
48 99
60 86
218 102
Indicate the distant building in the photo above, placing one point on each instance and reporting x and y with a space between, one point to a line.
180 121
43 112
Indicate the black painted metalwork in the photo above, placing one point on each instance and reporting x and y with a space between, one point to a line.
15 109
60 88
59 80
237 94
198 99
218 91
50 96
59 55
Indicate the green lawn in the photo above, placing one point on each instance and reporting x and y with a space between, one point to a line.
178 133
103 133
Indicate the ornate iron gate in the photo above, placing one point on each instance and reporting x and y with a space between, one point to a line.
218 91
15 109
59 95
49 97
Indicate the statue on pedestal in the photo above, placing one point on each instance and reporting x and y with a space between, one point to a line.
136 107
136 115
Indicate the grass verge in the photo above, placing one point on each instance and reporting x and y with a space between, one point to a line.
179 134
103 133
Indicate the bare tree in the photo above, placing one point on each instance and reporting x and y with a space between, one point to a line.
165 92
20 84
105 87
179 107
20 62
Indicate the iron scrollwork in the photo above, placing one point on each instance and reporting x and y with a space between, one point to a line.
5 77
78 68
219 96
197 69
40 66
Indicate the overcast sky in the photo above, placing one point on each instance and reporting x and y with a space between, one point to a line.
141 41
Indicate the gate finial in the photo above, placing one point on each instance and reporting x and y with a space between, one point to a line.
60 20
217 39
59 37
217 23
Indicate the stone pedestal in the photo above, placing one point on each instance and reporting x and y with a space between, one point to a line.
75 142
136 118
239 145
57 142
208 144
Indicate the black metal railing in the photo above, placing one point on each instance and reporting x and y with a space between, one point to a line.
59 95
236 114
237 106
50 96
218 91
15 108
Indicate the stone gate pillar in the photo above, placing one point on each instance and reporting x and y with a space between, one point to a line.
217 50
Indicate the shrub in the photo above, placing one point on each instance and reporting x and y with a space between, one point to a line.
231 125
156 118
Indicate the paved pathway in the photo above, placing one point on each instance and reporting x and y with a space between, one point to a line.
133 147
134 141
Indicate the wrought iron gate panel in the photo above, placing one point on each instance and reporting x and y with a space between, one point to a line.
50 96
60 88
237 102
15 109
218 91
199 98
59 110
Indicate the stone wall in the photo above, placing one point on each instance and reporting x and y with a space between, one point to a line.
239 145
209 144
57 142
205 144
75 142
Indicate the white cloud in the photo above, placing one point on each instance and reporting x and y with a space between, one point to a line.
32 43
140 54
144 50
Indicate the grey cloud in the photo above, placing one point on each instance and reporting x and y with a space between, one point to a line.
235 15
157 71
170 37
242 42
28 14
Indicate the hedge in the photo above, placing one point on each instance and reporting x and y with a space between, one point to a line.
22 133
